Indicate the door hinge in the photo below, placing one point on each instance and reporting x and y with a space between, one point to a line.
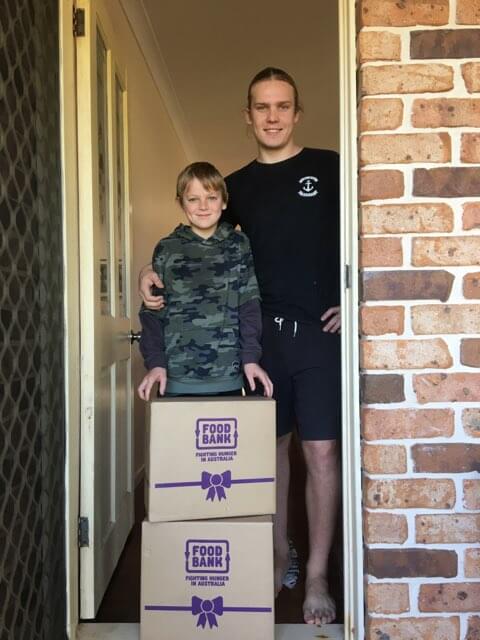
83 532
78 22
348 276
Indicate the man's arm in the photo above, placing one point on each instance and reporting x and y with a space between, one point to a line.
147 278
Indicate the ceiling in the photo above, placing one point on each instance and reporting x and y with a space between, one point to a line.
212 48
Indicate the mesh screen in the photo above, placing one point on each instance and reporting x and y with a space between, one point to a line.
32 554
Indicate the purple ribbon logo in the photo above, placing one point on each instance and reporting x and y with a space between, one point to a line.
207 610
216 484
213 483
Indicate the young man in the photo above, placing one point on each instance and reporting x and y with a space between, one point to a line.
287 203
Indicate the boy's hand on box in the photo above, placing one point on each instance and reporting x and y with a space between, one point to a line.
157 374
254 371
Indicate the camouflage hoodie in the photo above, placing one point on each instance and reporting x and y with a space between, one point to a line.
206 281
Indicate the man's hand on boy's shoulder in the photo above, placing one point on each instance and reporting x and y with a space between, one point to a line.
254 372
157 374
146 280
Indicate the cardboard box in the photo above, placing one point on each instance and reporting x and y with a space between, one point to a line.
207 579
210 458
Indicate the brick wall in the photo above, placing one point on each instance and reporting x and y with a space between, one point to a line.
419 152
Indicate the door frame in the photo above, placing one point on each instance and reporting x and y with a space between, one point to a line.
351 474
354 624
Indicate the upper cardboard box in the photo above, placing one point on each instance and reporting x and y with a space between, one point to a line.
210 458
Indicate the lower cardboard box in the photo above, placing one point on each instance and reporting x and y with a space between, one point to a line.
207 579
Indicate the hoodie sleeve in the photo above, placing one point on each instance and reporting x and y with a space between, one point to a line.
152 341
250 321
248 289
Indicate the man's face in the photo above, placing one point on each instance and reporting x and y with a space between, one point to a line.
272 113
203 208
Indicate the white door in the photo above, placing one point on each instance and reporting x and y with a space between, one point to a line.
106 474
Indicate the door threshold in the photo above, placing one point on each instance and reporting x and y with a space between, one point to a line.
125 631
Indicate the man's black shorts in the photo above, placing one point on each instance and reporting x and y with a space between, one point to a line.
304 364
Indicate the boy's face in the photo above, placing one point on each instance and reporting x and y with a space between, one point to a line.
203 208
272 113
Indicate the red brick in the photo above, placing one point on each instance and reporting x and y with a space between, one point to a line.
472 564
384 459
405 354
378 45
439 628
471 422
382 388
377 321
377 114
381 252
445 529
444 43
407 218
446 112
411 563
468 11
446 458
409 494
385 528
473 631
407 78
381 424
471 215
470 352
406 285
471 76
431 319
408 13
471 495
470 149
446 182
456 596
471 286
381 185
453 251
443 387
387 597
405 148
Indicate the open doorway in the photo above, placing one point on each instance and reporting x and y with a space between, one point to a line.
208 48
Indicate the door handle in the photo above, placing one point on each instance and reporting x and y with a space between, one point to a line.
132 336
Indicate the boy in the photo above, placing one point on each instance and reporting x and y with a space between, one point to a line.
211 326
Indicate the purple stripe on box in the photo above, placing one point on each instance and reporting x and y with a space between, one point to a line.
170 485
250 480
159 607
249 609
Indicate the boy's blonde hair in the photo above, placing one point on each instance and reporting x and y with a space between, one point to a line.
208 175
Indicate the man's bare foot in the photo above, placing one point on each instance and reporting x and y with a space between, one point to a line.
319 606
281 564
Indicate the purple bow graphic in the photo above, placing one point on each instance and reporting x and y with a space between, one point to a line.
207 610
215 483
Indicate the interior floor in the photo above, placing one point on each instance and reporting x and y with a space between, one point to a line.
121 602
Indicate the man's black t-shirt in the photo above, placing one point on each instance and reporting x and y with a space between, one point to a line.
290 212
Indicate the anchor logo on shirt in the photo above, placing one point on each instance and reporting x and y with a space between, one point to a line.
308 186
